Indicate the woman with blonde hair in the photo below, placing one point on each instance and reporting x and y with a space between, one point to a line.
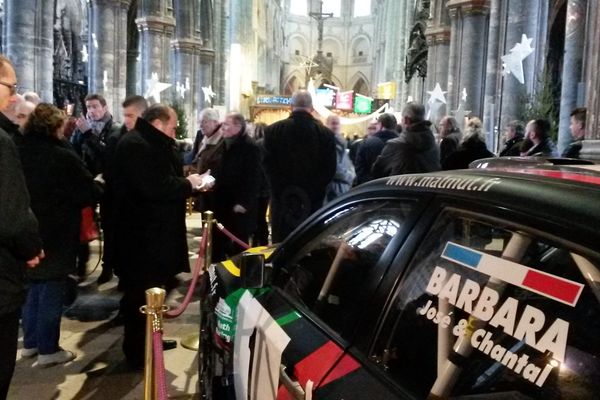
60 186
470 149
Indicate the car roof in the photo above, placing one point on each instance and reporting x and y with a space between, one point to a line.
565 193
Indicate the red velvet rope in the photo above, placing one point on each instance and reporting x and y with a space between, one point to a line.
197 268
159 365
231 236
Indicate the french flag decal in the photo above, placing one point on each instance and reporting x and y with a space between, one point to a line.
551 286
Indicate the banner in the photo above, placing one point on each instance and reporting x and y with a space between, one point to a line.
386 90
344 100
363 105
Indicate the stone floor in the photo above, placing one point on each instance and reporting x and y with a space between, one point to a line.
99 371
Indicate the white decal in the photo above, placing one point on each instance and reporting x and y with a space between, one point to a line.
445 182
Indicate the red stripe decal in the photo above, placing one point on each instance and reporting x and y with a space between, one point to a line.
346 365
551 286
571 176
315 365
283 394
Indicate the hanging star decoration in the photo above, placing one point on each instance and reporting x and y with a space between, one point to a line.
513 61
460 112
181 89
436 99
208 94
155 87
84 54
105 81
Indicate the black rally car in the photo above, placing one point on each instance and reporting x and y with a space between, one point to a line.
475 284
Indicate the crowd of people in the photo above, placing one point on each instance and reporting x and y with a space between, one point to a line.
51 168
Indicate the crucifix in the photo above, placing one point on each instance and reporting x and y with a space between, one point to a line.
320 17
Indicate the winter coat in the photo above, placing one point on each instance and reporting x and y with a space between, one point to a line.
19 237
299 162
573 149
415 151
237 181
344 173
448 145
60 186
467 152
546 148
11 128
368 152
512 147
149 205
92 147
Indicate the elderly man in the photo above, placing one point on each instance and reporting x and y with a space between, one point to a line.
299 163
150 234
514 137
20 244
344 173
372 146
415 151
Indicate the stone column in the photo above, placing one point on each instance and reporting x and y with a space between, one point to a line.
133 52
186 57
107 50
30 44
522 17
438 41
572 73
156 31
592 73
470 53
493 68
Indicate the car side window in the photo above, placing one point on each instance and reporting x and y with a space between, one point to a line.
494 311
335 273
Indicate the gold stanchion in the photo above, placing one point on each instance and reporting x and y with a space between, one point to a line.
192 342
155 299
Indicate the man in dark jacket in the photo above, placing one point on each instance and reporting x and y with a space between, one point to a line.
20 244
450 137
372 146
577 127
538 131
236 186
515 134
299 162
415 151
149 226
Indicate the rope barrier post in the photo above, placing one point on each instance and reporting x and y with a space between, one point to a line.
192 342
209 221
155 299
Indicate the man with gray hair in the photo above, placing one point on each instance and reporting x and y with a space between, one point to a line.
300 161
372 146
415 151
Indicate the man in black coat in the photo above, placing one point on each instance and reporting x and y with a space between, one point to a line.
577 127
300 162
149 226
515 134
20 244
372 146
237 185
415 151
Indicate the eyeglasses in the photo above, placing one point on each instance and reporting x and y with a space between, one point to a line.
11 86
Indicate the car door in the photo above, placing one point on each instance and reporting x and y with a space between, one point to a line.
325 281
493 305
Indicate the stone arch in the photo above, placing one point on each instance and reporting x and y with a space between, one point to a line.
293 83
361 43
361 84
298 43
332 45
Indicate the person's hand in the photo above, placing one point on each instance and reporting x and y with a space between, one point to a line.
36 260
239 209
195 180
82 124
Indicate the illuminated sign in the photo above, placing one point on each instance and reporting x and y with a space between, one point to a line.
363 105
325 97
386 90
274 100
344 100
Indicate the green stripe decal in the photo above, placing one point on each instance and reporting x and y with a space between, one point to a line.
288 318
